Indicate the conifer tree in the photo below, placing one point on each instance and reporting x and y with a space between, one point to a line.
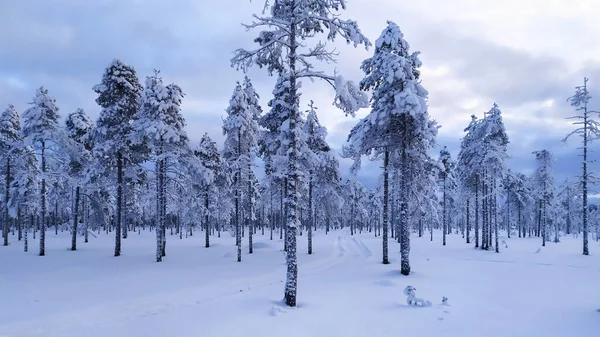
588 128
10 149
79 130
40 130
398 125
119 96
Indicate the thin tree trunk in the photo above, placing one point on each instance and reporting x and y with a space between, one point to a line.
584 186
75 220
444 219
310 214
468 234
43 215
6 198
476 211
206 220
249 216
384 224
404 230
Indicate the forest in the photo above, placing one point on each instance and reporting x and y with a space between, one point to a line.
134 169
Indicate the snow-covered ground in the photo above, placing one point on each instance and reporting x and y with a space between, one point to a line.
344 290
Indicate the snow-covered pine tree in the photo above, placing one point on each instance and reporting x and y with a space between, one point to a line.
468 167
160 126
398 122
288 28
446 174
495 142
40 130
208 154
79 128
588 128
567 195
240 128
269 146
543 178
10 149
119 96
252 183
25 189
319 151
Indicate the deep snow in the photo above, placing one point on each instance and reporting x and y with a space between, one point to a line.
344 290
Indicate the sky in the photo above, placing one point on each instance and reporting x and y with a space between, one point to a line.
525 55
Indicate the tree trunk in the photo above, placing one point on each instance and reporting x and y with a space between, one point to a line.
476 211
75 220
206 220
19 224
43 215
444 219
310 214
384 224
119 204
291 283
6 198
404 229
238 178
496 245
159 209
249 215
468 222
584 186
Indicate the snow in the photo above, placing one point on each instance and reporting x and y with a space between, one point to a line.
344 290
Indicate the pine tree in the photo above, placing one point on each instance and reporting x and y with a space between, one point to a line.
315 162
40 129
79 130
397 125
544 181
447 166
588 129
208 154
25 189
292 23
160 126
119 96
241 130
10 148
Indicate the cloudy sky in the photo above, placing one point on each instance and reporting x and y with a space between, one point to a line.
526 55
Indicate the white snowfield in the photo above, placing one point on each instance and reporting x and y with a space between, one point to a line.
344 290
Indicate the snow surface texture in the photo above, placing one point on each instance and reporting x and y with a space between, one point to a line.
344 290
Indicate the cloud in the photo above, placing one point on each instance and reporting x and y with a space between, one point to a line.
527 56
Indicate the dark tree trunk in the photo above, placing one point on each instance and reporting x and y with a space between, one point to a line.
5 226
206 220
119 204
310 214
404 229
43 215
468 234
476 211
385 224
75 220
